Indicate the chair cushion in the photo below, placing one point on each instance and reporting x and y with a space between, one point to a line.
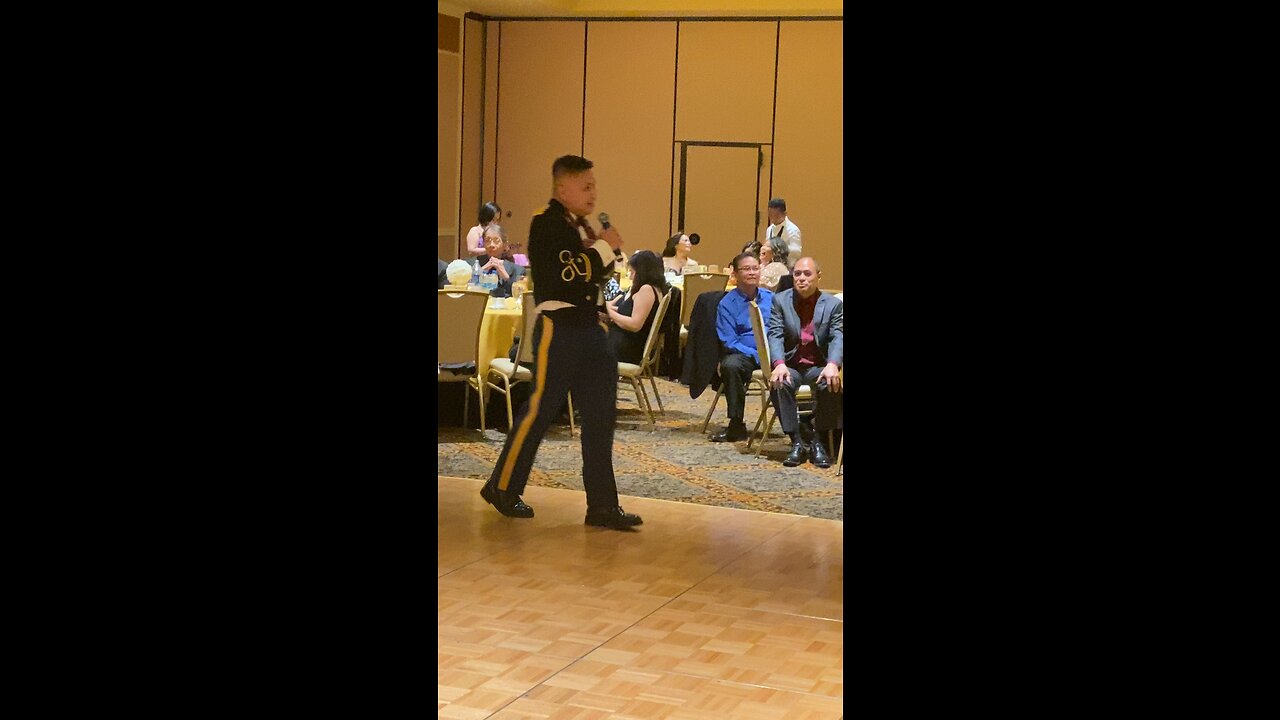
511 370
628 369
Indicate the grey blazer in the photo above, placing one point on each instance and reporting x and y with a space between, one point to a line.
784 327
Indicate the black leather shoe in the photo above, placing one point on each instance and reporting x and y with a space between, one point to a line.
820 454
799 453
613 517
733 433
508 504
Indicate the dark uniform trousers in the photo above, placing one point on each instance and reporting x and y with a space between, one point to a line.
571 353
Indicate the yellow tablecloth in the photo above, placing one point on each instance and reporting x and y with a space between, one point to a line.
496 333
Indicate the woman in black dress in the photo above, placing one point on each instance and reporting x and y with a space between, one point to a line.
632 314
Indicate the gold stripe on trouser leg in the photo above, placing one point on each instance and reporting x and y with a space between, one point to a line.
544 347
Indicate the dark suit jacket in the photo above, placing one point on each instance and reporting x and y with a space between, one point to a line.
441 278
702 352
828 327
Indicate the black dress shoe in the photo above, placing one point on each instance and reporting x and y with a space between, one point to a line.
733 433
613 517
799 453
820 454
508 504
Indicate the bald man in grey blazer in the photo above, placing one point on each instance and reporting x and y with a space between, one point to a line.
806 346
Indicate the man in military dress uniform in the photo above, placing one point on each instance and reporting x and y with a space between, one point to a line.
569 263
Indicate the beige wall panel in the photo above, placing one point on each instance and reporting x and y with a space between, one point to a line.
762 197
675 191
539 114
630 99
472 114
725 88
720 197
489 160
447 140
808 166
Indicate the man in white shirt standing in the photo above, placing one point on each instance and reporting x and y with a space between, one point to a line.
780 226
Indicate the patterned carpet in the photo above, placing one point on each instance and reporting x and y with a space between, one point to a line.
673 462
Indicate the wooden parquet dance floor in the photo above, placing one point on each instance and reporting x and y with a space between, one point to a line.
701 613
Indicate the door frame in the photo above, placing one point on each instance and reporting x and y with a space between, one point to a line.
684 165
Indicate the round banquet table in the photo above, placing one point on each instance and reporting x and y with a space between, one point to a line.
497 331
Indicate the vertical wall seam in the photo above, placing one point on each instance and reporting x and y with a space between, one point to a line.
462 132
497 118
675 103
484 71
773 129
582 150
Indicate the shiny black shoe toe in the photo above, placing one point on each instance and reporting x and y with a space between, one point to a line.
508 504
799 453
613 518
732 433
819 454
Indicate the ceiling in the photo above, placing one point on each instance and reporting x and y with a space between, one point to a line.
651 8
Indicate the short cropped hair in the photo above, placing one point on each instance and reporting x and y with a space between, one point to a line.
570 165
495 227
778 203
740 257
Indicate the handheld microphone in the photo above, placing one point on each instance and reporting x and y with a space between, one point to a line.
604 220
694 239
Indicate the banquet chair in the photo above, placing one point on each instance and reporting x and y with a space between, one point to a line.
757 384
514 373
636 374
840 456
695 285
804 394
459 315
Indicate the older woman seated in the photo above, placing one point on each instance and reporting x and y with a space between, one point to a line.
632 314
775 275
495 245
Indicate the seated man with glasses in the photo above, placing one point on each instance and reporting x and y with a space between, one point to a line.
738 356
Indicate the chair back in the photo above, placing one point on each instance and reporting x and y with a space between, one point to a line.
650 356
524 353
459 315
695 285
762 341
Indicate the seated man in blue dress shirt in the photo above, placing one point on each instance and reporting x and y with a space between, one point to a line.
738 356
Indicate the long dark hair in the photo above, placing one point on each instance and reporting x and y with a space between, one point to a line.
488 212
670 249
649 271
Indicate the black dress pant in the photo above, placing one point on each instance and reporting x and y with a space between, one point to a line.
571 353
827 416
735 371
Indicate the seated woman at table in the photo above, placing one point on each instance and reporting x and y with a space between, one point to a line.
775 271
495 245
632 314
675 256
